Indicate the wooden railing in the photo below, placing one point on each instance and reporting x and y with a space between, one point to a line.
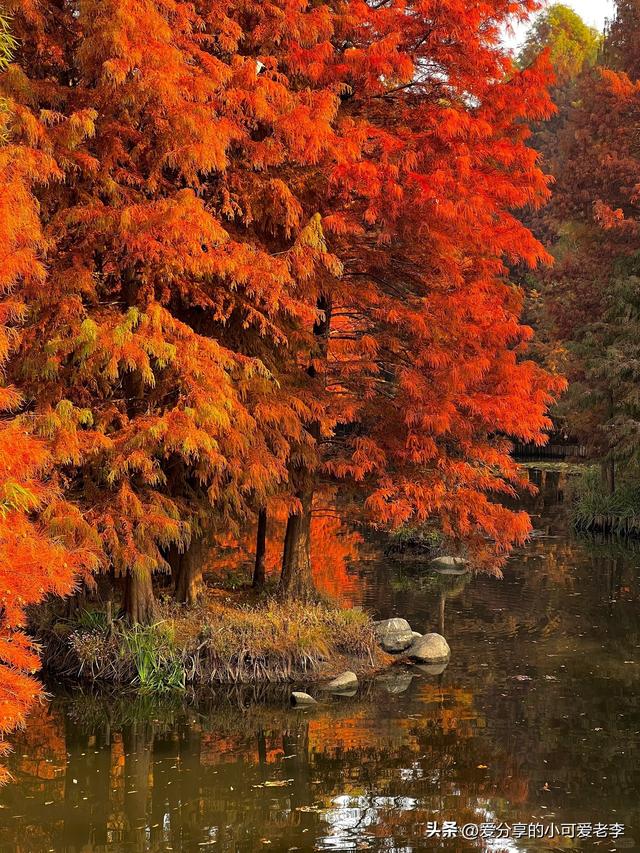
550 451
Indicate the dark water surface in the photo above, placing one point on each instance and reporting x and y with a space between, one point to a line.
535 720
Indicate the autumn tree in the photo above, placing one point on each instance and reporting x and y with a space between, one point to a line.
177 256
572 49
622 42
276 256
592 294
418 348
571 44
35 560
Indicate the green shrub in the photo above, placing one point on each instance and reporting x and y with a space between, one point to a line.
419 538
595 510
156 659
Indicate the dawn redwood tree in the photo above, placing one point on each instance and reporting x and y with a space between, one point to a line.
35 560
277 256
178 254
418 352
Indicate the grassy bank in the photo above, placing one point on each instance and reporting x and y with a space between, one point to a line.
212 644
595 511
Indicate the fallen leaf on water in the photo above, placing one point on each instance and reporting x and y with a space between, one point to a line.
482 766
278 783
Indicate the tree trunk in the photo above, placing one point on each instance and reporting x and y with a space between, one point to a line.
261 550
187 573
608 475
296 580
139 605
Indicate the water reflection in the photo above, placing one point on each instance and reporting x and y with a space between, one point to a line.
535 719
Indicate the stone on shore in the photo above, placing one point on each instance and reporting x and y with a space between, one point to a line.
300 700
430 649
345 681
394 635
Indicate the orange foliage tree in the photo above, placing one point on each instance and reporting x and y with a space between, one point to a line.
277 255
168 287
34 559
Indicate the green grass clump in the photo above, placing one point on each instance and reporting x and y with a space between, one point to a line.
143 657
156 658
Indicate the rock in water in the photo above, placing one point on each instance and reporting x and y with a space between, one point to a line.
394 635
300 699
344 681
450 565
431 649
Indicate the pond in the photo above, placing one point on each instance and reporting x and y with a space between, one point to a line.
535 721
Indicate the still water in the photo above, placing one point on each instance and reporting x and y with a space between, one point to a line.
535 720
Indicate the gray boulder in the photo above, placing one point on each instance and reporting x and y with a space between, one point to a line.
394 635
450 565
430 649
416 635
301 700
344 681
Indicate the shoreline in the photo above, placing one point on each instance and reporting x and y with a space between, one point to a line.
213 644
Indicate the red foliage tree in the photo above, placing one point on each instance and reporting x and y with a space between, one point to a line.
622 42
418 356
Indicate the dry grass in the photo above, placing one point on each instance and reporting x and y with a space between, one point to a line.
216 642
273 642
